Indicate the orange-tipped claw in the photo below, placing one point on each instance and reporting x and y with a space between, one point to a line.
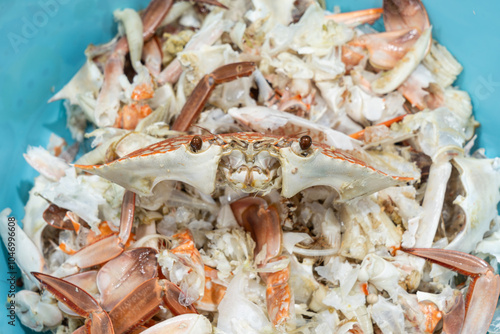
406 14
483 293
263 222
79 301
387 48
402 14
194 105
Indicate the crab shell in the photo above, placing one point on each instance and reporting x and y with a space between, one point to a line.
175 159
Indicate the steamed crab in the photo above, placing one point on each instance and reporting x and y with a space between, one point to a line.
290 155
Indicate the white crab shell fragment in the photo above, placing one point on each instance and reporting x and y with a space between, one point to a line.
38 312
182 324
174 159
481 181
28 258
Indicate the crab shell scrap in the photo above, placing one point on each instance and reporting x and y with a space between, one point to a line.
251 162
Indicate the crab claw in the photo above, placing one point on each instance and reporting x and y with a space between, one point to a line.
404 14
483 293
146 300
263 222
387 48
79 301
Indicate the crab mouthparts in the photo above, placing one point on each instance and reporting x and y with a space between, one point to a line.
261 172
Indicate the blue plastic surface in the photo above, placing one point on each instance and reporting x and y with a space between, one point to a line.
42 44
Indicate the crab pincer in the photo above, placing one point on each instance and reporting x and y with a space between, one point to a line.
194 105
130 293
404 14
483 293
78 300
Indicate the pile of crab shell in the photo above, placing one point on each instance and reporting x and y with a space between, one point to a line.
261 168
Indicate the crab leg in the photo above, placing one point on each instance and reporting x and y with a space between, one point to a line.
56 217
360 134
146 300
185 255
110 247
355 18
279 298
483 293
124 273
263 222
214 292
204 88
80 302
152 56
85 281
136 308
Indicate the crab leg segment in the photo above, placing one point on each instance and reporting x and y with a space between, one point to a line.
79 301
152 55
279 298
110 247
56 217
204 88
360 134
484 290
392 79
214 292
357 17
124 273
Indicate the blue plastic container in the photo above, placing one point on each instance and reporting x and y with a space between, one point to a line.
42 44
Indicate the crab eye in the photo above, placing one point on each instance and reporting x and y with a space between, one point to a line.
305 142
196 143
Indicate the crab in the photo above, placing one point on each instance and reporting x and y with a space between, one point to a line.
253 163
